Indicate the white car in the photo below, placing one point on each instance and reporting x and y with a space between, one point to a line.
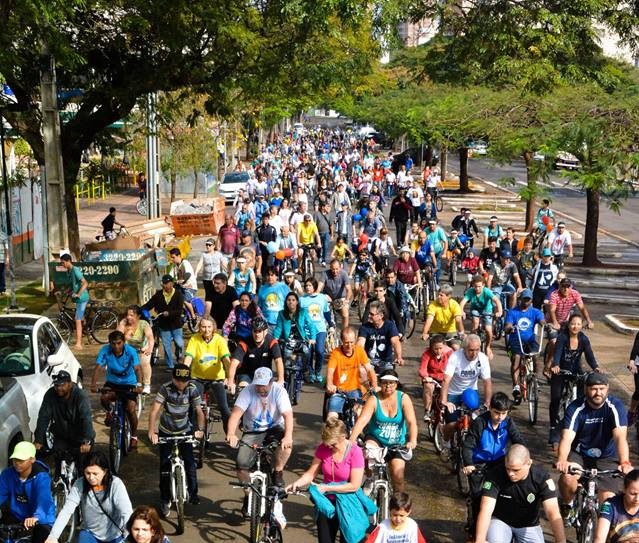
31 351
231 183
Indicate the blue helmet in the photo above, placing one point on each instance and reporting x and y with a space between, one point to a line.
470 398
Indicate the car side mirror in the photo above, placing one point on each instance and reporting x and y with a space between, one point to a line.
55 359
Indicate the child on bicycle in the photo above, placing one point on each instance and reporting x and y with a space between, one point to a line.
399 527
470 265
363 270
341 250
431 370
169 417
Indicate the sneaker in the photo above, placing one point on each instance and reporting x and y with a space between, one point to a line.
323 263
311 377
427 416
319 378
165 509
194 500
108 419
245 510
133 444
278 478
516 395
146 389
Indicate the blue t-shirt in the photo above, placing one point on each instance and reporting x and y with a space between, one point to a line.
525 321
271 298
315 306
377 343
482 303
437 239
623 525
593 427
422 255
120 369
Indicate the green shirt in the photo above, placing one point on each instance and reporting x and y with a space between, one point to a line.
76 284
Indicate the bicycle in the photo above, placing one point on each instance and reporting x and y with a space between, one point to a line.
293 369
429 290
210 419
583 514
435 426
462 426
527 380
307 268
179 488
141 205
271 522
100 319
14 533
61 486
568 391
379 483
120 431
439 201
349 413
500 322
259 482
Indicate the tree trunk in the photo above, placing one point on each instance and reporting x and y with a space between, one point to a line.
593 197
71 168
173 178
463 170
531 181
429 156
443 154
195 187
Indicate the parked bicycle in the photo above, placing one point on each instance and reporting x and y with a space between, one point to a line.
120 431
583 514
100 319
179 489
61 486
378 485
527 379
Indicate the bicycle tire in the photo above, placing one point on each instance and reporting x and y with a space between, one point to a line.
179 482
155 353
381 500
104 322
126 436
140 206
115 449
462 479
498 327
256 527
193 327
425 299
430 431
291 387
438 437
275 536
409 326
64 328
60 494
586 533
453 272
139 404
439 204
361 304
532 386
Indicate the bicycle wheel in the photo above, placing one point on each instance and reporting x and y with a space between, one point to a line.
409 326
64 327
439 204
275 535
361 304
179 480
453 272
498 327
139 404
462 479
115 448
586 533
140 206
532 386
60 494
256 526
381 500
291 386
104 322
438 437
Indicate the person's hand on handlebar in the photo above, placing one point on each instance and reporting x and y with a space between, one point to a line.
468 469
555 369
153 437
198 434
400 361
231 388
85 448
232 440
286 443
331 388
30 522
564 466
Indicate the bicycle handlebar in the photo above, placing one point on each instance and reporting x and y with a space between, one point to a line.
594 473
177 439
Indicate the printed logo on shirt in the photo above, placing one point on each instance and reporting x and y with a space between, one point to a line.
530 498
487 485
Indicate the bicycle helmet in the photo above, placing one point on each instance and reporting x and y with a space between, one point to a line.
259 324
470 398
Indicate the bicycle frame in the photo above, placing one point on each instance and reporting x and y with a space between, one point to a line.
14 533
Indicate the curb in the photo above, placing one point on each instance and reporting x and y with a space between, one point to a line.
611 320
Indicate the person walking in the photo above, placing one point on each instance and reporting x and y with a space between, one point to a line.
79 292
211 262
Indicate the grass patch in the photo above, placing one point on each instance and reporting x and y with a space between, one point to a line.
32 297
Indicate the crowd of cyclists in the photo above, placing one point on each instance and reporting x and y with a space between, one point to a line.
308 241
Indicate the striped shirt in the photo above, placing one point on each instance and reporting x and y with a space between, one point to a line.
174 419
563 305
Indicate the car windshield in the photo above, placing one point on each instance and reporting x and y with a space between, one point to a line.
16 356
235 177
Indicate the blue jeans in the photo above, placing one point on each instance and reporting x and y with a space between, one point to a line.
438 271
336 403
326 241
318 353
87 537
167 337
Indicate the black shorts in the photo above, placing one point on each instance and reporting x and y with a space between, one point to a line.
609 484
208 290
126 392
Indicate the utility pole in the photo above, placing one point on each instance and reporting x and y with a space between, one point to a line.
53 183
13 306
154 207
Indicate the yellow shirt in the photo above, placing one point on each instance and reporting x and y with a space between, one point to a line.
444 321
307 233
207 357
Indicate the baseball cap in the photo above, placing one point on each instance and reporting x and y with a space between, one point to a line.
24 450
246 233
166 278
506 254
405 249
565 282
210 241
546 252
526 293
262 376
595 378
181 372
61 377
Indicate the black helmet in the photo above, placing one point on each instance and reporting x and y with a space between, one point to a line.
259 324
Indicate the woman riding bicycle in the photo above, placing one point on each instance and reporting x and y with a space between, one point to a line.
96 493
315 305
294 329
139 334
238 324
387 417
572 343
619 515
406 268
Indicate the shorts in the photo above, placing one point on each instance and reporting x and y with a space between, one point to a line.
336 402
486 318
454 416
530 346
363 276
606 484
246 454
80 308
187 293
500 532
243 378
123 391
208 290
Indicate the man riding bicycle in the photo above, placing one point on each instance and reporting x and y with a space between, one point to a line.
483 304
363 270
336 286
344 372
503 278
266 414
123 379
520 328
380 338
425 255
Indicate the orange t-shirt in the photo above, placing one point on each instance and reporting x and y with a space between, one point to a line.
346 376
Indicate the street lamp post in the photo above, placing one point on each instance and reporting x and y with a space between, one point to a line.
7 208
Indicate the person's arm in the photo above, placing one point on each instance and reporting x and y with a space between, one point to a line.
397 348
287 440
552 309
551 508
411 421
459 324
94 379
444 390
232 425
517 281
588 352
199 265
433 259
70 504
488 391
235 363
364 418
567 437
483 519
427 324
562 339
471 440
278 331
603 527
153 421
307 477
498 308
372 376
515 436
620 435
584 312
279 366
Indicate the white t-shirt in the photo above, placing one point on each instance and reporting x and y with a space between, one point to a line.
416 195
558 242
262 413
296 218
466 372
276 222
191 282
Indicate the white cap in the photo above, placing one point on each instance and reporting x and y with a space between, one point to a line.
262 376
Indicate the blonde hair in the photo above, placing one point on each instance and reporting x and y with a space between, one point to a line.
333 429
